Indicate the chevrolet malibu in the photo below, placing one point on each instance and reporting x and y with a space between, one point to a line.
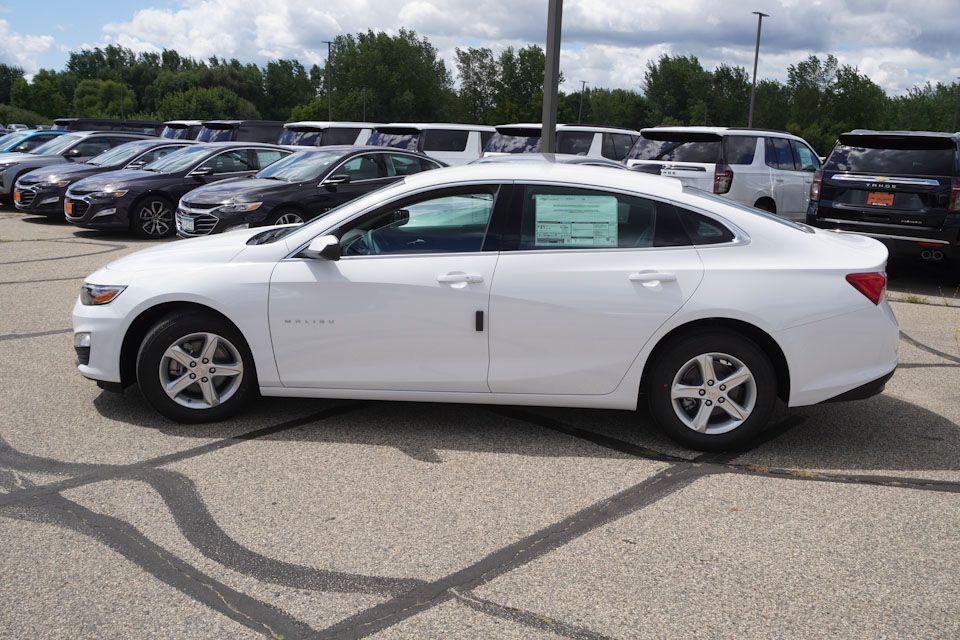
524 284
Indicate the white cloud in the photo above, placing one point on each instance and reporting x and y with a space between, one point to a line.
899 43
22 50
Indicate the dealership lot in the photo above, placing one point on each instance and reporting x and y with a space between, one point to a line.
311 518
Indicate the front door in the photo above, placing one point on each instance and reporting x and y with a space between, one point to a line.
595 274
403 309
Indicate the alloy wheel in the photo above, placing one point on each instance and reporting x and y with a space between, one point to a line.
713 393
290 218
156 218
201 370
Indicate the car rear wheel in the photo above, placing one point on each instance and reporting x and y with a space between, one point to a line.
286 216
713 391
195 367
766 204
153 218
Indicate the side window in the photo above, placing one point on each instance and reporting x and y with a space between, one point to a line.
704 230
363 167
806 158
155 154
616 146
445 139
91 147
574 142
400 165
449 221
779 155
485 138
116 142
266 157
339 135
571 218
32 143
230 162
740 149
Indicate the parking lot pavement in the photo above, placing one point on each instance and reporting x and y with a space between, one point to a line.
313 518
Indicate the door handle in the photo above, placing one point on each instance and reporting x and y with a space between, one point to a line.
652 277
451 278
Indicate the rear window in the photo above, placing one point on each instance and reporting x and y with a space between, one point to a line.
521 142
678 147
445 139
889 159
740 149
574 142
210 134
396 139
300 137
175 132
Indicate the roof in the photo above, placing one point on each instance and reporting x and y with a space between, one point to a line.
241 122
327 124
556 158
185 123
905 134
351 148
235 143
720 131
575 174
569 127
436 125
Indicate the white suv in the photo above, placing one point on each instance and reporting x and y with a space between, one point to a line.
573 139
770 170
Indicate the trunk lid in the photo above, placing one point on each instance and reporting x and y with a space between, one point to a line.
690 156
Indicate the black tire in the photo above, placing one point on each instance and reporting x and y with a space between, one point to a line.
276 216
153 218
766 204
675 358
172 329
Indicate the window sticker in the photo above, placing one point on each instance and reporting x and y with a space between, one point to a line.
575 220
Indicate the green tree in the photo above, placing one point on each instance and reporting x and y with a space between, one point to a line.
8 74
205 104
288 84
479 74
677 88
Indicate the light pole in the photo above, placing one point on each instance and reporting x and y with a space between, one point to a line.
329 75
756 56
583 88
122 92
551 75
956 103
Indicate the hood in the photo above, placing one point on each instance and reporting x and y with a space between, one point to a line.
183 254
17 157
243 189
113 178
65 169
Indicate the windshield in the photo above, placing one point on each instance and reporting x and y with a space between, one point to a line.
56 146
180 160
924 162
11 139
301 166
175 132
680 148
506 143
118 155
210 134
408 141
300 137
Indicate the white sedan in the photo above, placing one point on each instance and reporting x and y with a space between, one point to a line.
525 284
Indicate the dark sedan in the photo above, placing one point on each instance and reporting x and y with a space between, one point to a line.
143 200
41 191
298 188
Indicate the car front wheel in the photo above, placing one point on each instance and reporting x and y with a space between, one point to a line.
714 391
153 218
195 367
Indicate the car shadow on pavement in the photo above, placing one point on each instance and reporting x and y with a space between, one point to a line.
883 433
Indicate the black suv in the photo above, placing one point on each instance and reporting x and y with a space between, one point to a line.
298 188
41 191
143 200
900 187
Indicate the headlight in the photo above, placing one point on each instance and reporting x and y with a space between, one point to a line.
54 181
6 165
97 294
239 207
108 194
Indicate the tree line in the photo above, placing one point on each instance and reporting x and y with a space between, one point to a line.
379 77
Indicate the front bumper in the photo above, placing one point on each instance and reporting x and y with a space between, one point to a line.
96 214
106 326
194 223
39 198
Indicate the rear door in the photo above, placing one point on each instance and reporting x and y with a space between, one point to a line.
808 163
788 183
593 275
893 182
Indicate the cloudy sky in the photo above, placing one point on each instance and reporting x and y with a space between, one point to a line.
899 43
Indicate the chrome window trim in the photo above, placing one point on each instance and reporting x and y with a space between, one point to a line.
849 177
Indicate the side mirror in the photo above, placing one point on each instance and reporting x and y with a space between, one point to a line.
136 164
323 248
400 217
200 172
331 182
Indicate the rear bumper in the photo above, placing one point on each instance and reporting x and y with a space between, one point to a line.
900 240
864 391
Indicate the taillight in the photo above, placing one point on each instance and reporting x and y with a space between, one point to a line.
871 285
722 178
815 186
955 195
